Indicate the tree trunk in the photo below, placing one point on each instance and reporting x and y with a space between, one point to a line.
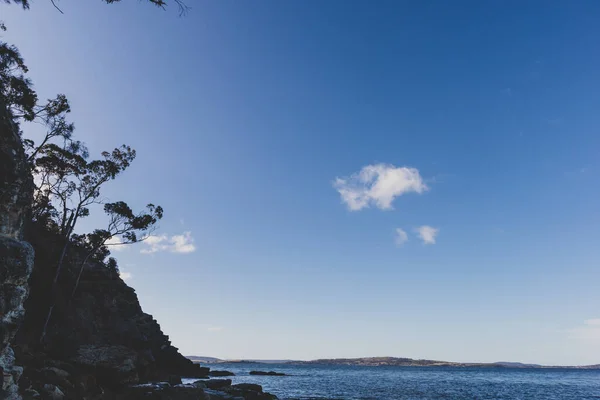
61 259
80 273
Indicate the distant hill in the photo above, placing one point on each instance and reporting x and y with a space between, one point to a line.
204 360
214 360
389 361
409 362
517 365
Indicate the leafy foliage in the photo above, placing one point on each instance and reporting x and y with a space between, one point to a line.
15 89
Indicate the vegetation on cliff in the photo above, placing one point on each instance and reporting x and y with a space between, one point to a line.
84 332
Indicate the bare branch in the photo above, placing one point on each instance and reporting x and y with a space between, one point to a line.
55 6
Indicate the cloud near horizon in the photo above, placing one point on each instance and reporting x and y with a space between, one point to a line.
182 244
427 234
379 185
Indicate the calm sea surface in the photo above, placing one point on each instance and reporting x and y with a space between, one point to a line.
414 383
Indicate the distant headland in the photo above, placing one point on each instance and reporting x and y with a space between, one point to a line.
389 361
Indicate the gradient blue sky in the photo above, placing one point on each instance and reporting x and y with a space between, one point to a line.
244 114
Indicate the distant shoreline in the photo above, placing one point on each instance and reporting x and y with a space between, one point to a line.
391 362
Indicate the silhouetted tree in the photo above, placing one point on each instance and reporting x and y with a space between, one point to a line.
76 186
15 89
67 183
123 224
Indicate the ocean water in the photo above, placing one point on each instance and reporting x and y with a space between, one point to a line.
321 382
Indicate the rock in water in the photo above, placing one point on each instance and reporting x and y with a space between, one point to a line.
221 373
270 373
16 256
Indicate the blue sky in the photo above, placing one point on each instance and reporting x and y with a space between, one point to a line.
253 122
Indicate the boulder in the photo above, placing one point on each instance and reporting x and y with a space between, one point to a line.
249 391
217 383
248 386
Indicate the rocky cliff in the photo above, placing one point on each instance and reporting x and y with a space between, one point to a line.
97 341
16 256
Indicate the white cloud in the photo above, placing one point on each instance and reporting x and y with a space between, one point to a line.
125 275
427 234
592 322
115 244
378 184
401 237
183 243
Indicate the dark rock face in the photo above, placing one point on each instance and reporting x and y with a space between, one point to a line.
102 338
16 256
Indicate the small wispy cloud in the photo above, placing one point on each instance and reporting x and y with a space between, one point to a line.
378 185
401 237
125 275
209 327
427 234
182 244
115 244
506 91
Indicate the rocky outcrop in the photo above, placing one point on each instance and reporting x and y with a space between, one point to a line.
196 391
100 337
270 373
16 256
221 373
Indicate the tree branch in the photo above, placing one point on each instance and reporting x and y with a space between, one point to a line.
55 6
